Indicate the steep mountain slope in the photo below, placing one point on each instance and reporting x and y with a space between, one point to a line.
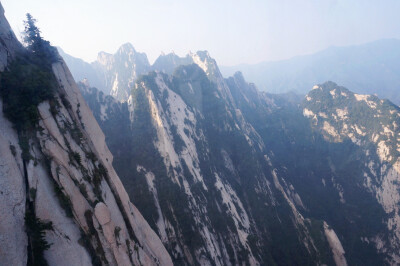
329 178
370 68
61 201
184 148
235 175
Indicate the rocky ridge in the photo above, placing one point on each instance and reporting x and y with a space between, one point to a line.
115 74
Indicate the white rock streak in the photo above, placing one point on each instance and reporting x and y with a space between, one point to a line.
336 246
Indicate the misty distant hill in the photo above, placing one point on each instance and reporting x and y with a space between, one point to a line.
372 68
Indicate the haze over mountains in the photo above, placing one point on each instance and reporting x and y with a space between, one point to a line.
371 68
115 74
172 163
236 175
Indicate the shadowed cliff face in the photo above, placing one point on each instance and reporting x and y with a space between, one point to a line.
61 201
202 174
236 176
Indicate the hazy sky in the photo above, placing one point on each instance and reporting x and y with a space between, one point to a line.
233 31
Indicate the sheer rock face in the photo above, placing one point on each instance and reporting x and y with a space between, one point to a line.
71 182
9 43
13 239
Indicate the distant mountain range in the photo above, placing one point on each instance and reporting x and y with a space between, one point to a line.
115 74
372 68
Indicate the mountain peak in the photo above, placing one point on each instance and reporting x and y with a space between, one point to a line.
331 89
126 48
171 55
239 75
103 57
168 62
203 55
205 61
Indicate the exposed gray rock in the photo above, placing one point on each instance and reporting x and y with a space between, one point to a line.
13 240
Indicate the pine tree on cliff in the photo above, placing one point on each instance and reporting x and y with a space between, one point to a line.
28 80
32 32
35 43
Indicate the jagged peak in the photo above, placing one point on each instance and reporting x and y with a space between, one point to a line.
239 76
203 55
206 62
127 53
123 49
126 48
103 57
328 85
168 62
171 55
